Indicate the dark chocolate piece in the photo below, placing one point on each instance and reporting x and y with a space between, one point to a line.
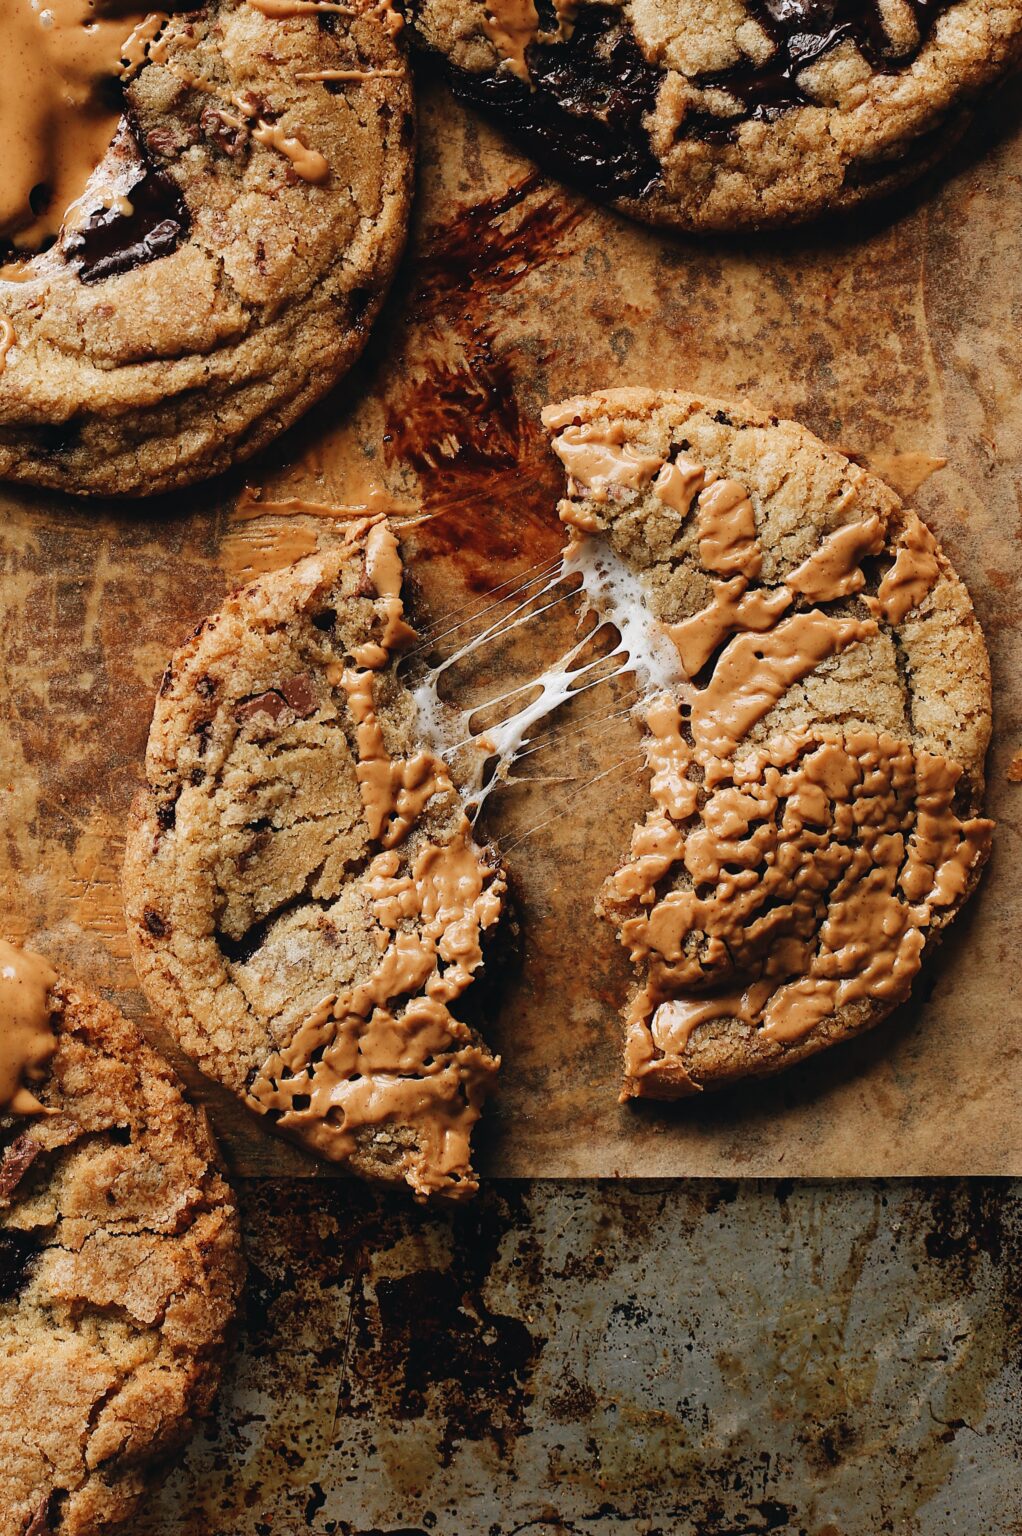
584 117
17 1250
804 31
110 242
300 693
297 694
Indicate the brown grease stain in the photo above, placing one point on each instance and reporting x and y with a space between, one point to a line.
483 462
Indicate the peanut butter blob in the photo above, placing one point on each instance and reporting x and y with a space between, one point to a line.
59 106
27 1041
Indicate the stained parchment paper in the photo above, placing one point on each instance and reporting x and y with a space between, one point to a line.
896 338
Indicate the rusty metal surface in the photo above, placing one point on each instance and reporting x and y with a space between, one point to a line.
712 1359
894 338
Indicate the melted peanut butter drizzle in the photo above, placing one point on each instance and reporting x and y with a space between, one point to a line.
826 855
727 530
8 339
513 25
755 671
733 608
834 570
27 1040
252 504
600 459
678 484
358 1063
309 164
910 578
389 1052
280 10
819 867
55 124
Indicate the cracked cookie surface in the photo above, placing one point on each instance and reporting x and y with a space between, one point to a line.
120 1270
816 774
737 113
233 248
305 901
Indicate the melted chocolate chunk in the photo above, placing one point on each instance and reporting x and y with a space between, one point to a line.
584 115
804 31
110 241
17 1250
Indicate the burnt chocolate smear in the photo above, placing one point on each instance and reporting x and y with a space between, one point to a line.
17 1250
583 116
109 241
803 32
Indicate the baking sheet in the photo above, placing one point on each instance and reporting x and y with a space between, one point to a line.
578 1359
896 339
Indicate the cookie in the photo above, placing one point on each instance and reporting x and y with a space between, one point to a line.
120 1258
306 904
198 223
816 764
733 113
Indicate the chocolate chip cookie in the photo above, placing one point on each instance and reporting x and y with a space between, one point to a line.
724 114
816 766
306 903
120 1259
199 217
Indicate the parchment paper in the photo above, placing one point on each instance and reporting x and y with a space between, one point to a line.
896 339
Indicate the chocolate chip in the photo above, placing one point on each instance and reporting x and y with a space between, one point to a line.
300 693
271 703
158 926
17 1250
295 693
231 139
166 142
16 1161
41 1523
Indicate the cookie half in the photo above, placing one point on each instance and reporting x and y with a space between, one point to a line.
305 900
222 267
816 764
726 114
120 1258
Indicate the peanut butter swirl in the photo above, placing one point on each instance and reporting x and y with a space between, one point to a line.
27 1041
